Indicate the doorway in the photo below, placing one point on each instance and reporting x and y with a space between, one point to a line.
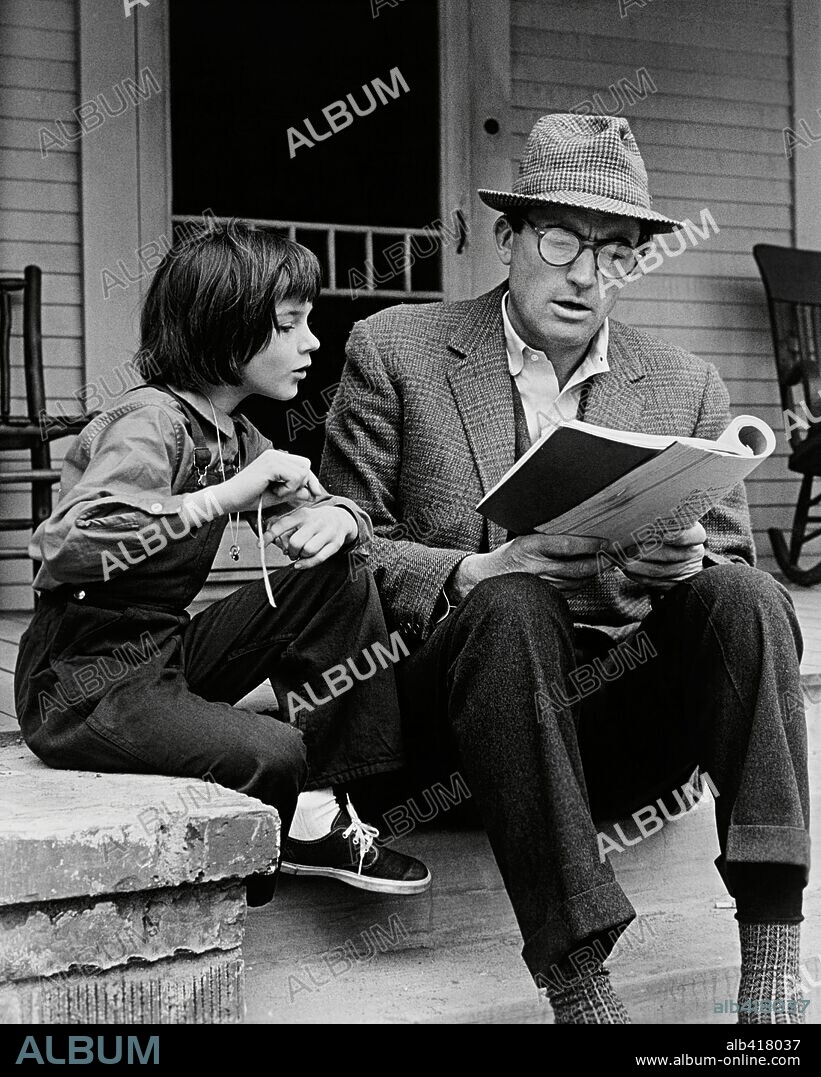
259 94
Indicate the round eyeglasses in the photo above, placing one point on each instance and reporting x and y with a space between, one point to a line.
561 247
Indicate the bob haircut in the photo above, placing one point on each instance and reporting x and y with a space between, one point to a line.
211 306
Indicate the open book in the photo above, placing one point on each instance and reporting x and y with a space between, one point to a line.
581 479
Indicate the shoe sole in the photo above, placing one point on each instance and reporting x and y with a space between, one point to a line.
359 882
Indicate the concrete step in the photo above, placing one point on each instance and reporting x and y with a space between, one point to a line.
324 952
121 895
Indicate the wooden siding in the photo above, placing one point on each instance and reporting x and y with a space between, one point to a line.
40 217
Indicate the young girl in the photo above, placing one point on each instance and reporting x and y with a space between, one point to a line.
114 675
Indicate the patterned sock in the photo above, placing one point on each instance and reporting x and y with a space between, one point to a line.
770 992
590 1000
315 811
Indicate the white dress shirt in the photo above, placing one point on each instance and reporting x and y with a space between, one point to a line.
544 403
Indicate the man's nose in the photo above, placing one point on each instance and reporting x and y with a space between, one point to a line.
583 271
311 343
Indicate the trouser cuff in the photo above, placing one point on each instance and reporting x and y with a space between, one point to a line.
768 844
759 844
603 911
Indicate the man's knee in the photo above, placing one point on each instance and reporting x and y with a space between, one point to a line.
740 588
517 597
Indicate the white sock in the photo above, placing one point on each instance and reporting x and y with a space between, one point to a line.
315 812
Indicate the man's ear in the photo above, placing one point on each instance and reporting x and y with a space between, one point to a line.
503 234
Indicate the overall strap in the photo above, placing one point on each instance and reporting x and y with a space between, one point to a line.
202 454
242 423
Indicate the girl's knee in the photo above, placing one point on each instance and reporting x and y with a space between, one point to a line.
347 568
283 763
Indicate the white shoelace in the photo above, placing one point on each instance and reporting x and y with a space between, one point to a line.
261 544
363 834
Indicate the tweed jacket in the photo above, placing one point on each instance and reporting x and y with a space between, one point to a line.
423 425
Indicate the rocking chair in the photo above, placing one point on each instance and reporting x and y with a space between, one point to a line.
792 279
34 430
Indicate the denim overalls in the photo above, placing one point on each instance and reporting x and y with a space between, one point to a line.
116 676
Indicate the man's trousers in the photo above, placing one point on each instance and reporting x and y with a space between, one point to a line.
553 735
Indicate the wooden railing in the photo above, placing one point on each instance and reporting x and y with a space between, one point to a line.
364 278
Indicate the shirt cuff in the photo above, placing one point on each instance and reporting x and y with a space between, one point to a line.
358 540
122 509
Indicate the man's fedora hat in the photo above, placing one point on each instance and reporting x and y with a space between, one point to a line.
587 161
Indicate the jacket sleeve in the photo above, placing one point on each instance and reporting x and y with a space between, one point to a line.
363 460
119 476
729 534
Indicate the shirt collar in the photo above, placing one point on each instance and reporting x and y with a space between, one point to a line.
595 360
200 404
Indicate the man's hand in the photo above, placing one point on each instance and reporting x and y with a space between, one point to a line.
678 558
566 560
310 536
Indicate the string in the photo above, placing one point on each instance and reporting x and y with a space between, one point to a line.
233 526
266 581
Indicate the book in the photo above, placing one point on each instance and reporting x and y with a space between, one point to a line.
587 480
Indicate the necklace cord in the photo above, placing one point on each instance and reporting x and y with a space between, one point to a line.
233 522
234 528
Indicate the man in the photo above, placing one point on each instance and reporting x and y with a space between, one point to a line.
436 403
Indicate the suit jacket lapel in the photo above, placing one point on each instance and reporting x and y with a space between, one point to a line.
479 379
615 398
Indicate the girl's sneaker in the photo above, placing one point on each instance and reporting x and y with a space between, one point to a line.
351 854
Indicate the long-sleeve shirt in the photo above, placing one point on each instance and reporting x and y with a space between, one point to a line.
128 469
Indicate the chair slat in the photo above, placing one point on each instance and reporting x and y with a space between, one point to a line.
5 354
22 478
790 274
33 343
17 524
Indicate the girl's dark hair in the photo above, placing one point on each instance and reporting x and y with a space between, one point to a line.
211 306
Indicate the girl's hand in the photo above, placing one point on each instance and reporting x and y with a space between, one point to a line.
276 476
310 536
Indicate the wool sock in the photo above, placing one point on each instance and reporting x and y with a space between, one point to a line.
315 812
588 1000
770 992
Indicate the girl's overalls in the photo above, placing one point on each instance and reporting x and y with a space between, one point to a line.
116 676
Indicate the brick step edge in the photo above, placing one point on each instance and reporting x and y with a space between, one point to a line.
209 989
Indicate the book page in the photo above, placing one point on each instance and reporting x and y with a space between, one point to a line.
672 490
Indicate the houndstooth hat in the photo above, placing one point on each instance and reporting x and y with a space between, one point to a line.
587 161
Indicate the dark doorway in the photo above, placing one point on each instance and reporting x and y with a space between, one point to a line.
242 74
